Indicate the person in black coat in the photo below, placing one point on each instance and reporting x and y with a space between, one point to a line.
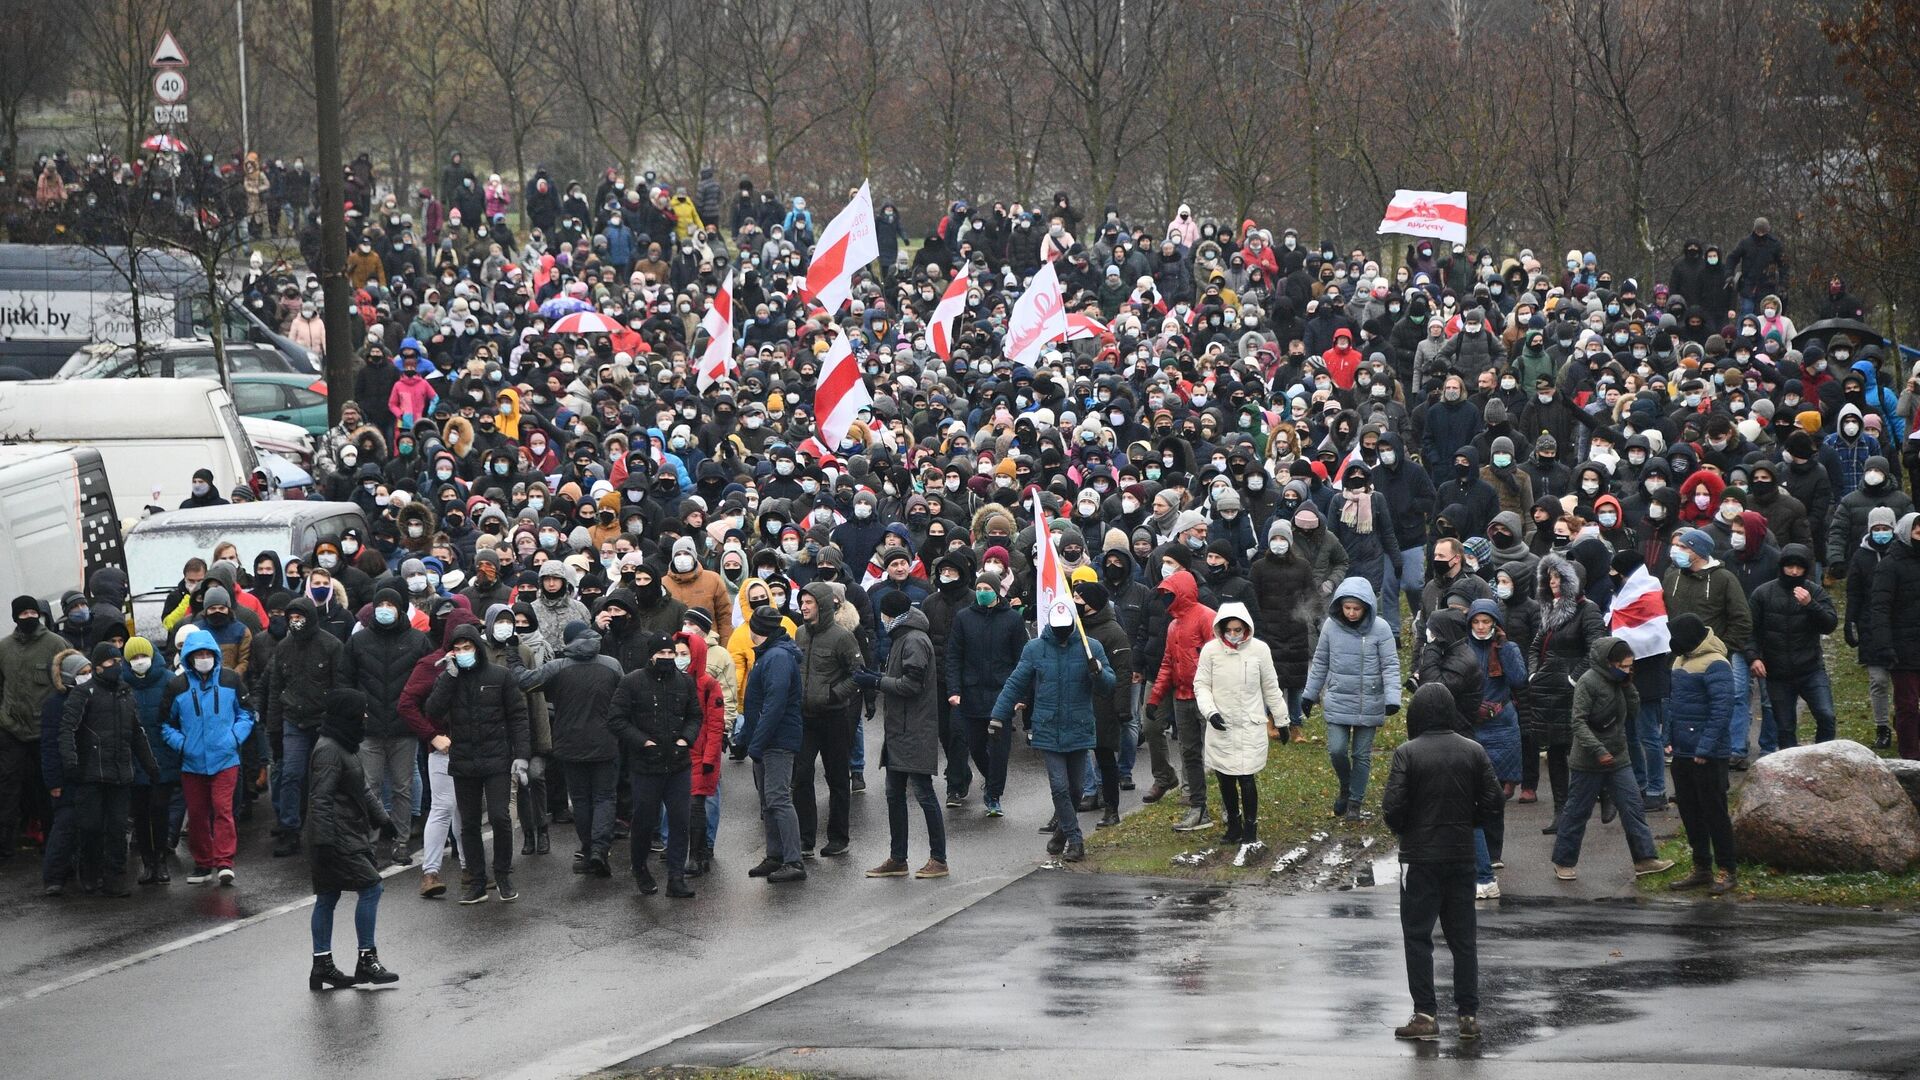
1470 493
1860 571
655 713
101 741
1290 612
579 686
983 648
380 658
1792 615
1569 625
488 745
342 818
1440 786
305 665
1220 583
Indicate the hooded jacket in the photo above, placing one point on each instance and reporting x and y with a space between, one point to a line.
1441 785
832 654
657 719
1052 678
1446 658
1355 674
1290 608
1849 521
770 712
482 710
206 715
705 756
699 588
909 698
1893 629
1188 632
304 667
381 659
1711 591
1604 712
578 685
101 739
1238 684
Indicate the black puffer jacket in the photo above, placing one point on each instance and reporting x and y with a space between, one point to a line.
1893 629
1786 633
101 737
342 815
1291 608
1112 710
983 648
483 711
380 659
579 687
663 710
306 664
1557 656
1448 660
1441 784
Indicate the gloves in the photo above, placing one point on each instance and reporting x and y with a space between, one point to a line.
1219 722
1853 636
537 768
706 768
866 680
1093 667
739 752
520 771
1306 707
1391 709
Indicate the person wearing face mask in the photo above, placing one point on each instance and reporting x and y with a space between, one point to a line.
907 689
1873 547
656 714
1849 523
101 744
303 668
1792 614
1604 706
1189 628
556 605
203 492
831 655
1472 499
1355 671
1892 628
381 657
1551 412
1700 497
1701 585
205 720
1059 675
502 637
687 582
487 739
152 789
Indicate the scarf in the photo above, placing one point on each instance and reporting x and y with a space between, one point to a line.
1357 512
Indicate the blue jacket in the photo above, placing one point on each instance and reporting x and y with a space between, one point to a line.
149 692
206 715
771 709
1701 701
619 244
1881 400
1053 678
1513 662
1355 674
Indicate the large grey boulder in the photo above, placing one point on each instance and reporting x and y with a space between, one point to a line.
1832 806
1908 773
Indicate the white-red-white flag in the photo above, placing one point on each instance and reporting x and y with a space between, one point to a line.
1051 592
1086 326
847 244
1638 615
952 305
1039 317
1439 214
841 393
717 359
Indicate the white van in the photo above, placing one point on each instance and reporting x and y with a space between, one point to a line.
57 520
151 433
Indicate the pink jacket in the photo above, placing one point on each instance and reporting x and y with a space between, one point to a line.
410 396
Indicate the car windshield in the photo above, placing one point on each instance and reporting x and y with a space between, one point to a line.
187 364
155 556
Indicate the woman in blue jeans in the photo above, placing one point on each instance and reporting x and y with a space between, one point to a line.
1356 674
1497 729
342 819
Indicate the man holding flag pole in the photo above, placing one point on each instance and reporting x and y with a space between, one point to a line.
1057 678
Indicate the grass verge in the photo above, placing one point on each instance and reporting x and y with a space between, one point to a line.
1853 712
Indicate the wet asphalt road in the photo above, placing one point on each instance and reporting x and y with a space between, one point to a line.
1069 975
577 974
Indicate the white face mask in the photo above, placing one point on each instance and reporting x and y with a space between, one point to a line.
1874 477
1279 547
1656 512
1129 504
683 563
502 631
203 664
1738 541
140 664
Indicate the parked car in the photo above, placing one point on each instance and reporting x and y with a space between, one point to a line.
171 359
290 398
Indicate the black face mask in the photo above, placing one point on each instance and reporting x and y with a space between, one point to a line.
1115 575
276 624
25 627
220 620
663 667
1061 634
1218 573
110 676
649 593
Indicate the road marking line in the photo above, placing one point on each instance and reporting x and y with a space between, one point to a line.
144 955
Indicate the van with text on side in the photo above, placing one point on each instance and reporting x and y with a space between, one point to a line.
58 298
57 520
152 434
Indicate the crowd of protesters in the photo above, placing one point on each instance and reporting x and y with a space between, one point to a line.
590 591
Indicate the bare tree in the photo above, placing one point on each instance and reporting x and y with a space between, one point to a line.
946 82
1103 58
283 49
694 96
772 64
608 52
115 39
436 76
508 35
862 68
32 66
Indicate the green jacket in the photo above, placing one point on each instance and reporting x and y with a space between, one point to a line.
1714 594
1604 711
26 678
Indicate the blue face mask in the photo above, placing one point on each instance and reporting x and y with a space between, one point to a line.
322 593
1683 557
465 659
385 615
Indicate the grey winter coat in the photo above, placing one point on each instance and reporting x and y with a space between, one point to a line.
1355 674
909 699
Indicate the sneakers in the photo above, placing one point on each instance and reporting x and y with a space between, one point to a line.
1643 867
431 887
1565 873
934 869
1422 1028
1469 1026
476 893
504 885
643 880
226 875
792 871
1699 879
956 799
1109 819
858 783
1355 813
200 876
399 855
993 808
1724 882
891 868
1655 804
1489 891
1197 818
833 850
765 867
598 866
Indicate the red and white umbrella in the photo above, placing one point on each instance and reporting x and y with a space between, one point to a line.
165 144
585 322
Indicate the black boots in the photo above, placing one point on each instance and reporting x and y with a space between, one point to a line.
643 880
369 972
149 871
677 887
325 976
1882 738
1108 819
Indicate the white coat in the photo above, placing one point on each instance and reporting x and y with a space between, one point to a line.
1242 686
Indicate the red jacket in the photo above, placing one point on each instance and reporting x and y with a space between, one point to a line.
713 713
1192 627
413 697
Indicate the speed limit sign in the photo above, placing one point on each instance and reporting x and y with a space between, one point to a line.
169 85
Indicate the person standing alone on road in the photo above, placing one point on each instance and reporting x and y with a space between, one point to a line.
1440 788
343 816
